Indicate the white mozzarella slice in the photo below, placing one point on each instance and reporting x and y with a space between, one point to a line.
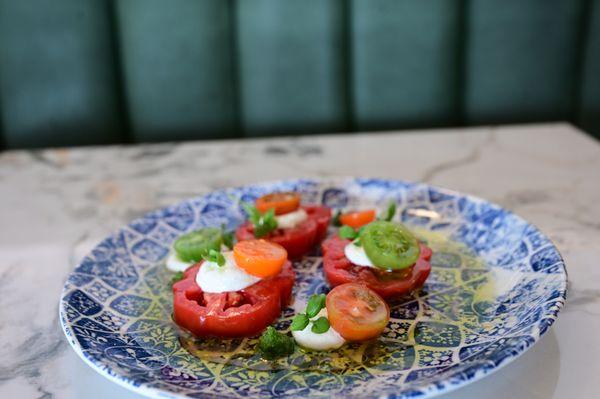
213 278
291 219
175 264
329 340
357 255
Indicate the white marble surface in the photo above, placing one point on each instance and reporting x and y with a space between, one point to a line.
56 204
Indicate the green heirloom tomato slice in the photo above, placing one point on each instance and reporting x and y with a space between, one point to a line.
190 247
390 246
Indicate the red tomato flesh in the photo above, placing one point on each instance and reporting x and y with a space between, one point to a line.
243 313
339 270
321 215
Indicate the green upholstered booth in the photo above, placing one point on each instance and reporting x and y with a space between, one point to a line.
76 72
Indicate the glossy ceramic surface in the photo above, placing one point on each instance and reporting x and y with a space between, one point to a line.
495 288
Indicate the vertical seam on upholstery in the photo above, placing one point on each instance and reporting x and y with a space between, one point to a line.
347 54
123 115
235 68
3 143
580 58
462 69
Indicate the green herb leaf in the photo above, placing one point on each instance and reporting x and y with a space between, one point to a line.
214 256
253 213
263 223
266 224
320 326
335 221
273 344
315 304
299 322
178 276
389 212
347 233
228 237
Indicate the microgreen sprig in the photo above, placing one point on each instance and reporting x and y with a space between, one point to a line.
348 233
389 213
215 257
264 223
320 326
314 306
335 220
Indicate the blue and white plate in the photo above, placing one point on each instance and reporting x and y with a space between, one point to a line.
496 286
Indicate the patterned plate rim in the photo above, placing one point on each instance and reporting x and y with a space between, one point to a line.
429 390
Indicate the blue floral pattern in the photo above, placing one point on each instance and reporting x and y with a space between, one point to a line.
473 315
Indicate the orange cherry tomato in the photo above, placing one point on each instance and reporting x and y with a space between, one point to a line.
356 312
260 258
357 219
283 202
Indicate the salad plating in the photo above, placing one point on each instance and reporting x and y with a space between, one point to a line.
226 291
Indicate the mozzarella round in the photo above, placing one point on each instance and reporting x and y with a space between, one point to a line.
357 255
291 219
213 278
175 264
329 340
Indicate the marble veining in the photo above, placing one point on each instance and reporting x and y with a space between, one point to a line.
58 203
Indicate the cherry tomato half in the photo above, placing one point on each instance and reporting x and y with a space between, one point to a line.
356 312
260 258
283 202
357 219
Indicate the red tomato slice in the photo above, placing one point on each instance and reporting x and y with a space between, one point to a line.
339 270
321 215
356 312
243 313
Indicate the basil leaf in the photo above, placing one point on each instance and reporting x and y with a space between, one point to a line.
335 221
315 304
390 212
347 233
177 277
299 322
320 326
273 344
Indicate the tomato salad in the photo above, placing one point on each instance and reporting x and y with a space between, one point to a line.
280 218
239 290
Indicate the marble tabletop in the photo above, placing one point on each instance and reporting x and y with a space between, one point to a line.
56 204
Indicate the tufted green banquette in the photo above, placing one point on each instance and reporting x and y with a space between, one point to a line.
76 72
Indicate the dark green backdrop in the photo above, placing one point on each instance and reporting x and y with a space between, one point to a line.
100 71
